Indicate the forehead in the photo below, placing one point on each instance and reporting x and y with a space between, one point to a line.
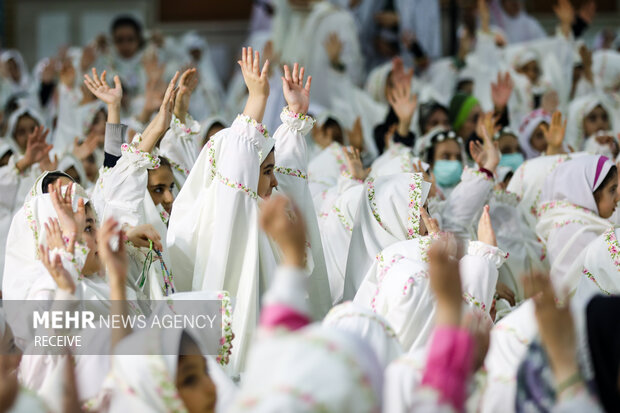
161 175
449 145
269 161
507 139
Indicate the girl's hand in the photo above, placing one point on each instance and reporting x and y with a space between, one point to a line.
142 234
54 238
37 148
479 326
431 224
503 291
486 233
99 87
554 134
296 94
354 163
445 281
403 102
286 228
486 154
356 135
116 262
187 85
60 275
255 79
501 90
161 122
71 223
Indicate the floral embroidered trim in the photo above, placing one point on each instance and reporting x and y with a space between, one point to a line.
292 172
348 314
259 126
286 111
476 172
165 216
383 269
236 185
183 126
513 331
226 341
591 278
370 182
347 175
561 224
336 149
534 206
470 299
342 219
179 168
506 197
547 206
153 161
613 246
165 386
32 224
415 196
211 157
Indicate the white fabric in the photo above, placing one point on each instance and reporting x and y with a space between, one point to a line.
389 212
578 110
370 327
520 28
213 236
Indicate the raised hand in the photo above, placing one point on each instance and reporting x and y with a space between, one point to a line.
404 104
37 149
296 94
53 236
554 134
257 82
486 233
555 325
479 326
501 90
187 84
141 235
431 224
85 149
48 74
400 76
161 122
445 281
486 154
333 48
284 223
587 11
356 135
47 164
354 163
88 57
58 272
154 70
100 88
116 261
72 223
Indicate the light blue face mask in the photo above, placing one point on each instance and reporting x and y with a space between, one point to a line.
511 160
447 173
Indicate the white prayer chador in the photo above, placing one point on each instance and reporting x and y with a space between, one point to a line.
389 212
214 239
181 145
397 286
606 70
527 128
369 327
568 218
316 368
519 28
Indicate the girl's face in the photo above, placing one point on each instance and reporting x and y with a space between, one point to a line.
160 186
607 197
126 41
92 263
267 179
448 150
194 385
322 136
13 69
91 169
508 144
596 120
438 118
24 127
537 140
469 127
531 71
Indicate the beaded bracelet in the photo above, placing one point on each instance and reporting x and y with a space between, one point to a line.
568 383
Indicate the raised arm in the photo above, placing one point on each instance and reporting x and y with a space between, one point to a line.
257 82
99 87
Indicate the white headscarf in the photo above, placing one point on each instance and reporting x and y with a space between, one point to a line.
24 81
377 80
12 124
389 212
568 198
397 287
577 112
368 326
314 369
606 70
527 128
214 239
70 161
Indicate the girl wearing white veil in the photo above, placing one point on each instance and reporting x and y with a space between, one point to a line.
225 250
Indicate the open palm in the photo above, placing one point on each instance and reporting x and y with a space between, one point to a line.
100 88
296 94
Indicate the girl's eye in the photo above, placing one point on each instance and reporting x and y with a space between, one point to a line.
88 229
158 190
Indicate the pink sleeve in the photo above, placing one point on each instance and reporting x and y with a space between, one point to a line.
449 364
277 315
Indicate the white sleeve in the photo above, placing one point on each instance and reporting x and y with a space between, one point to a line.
289 289
179 145
123 187
465 202
479 274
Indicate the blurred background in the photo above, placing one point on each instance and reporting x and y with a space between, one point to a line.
40 27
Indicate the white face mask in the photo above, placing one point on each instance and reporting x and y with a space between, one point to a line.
593 147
